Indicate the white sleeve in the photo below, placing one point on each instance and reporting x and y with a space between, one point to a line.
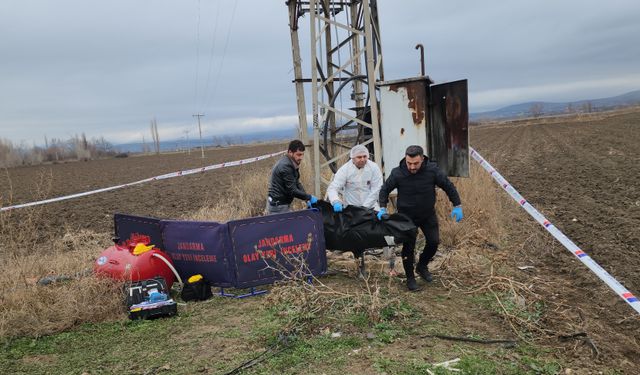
337 184
376 184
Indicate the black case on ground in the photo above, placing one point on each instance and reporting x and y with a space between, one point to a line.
197 291
153 310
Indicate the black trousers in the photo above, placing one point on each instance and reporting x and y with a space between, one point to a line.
429 227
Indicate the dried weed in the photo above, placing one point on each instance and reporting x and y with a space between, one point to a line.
51 290
305 300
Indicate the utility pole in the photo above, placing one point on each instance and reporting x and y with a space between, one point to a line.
198 115
188 145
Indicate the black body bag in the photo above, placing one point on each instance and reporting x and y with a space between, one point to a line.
357 228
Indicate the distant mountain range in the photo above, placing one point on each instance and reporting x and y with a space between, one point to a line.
210 141
530 109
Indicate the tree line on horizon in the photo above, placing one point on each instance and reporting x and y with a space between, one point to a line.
54 150
537 109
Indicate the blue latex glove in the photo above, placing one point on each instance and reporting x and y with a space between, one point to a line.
457 214
383 211
337 207
312 200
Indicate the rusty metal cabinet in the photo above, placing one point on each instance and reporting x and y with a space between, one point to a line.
414 111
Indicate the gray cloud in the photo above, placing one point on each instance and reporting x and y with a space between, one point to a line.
108 68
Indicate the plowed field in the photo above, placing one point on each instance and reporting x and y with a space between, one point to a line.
583 175
169 198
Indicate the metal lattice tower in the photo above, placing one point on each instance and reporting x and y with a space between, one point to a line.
345 52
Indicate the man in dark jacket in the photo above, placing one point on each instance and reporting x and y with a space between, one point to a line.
416 179
284 184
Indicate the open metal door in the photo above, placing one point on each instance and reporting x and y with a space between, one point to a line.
403 118
449 130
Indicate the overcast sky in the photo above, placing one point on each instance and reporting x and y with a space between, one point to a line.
106 68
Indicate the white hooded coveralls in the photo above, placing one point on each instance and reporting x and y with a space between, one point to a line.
359 187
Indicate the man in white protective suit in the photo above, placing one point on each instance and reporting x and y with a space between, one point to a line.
358 181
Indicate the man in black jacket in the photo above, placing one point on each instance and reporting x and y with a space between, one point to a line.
416 179
284 184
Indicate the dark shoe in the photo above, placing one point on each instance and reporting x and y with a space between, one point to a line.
424 273
408 269
412 285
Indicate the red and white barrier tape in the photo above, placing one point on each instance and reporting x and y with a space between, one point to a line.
625 294
161 177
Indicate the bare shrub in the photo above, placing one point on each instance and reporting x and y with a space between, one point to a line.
305 300
55 150
473 264
9 154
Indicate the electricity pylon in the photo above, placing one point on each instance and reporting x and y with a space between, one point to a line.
345 51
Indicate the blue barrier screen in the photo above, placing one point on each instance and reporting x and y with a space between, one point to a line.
128 225
241 253
199 248
264 245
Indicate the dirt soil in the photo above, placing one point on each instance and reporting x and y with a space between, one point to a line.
582 174
169 198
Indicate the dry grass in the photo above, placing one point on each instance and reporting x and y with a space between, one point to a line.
480 266
28 255
19 228
482 209
27 308
74 297
305 303
246 198
462 243
465 264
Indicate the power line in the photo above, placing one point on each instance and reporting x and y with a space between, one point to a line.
211 55
195 98
224 51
